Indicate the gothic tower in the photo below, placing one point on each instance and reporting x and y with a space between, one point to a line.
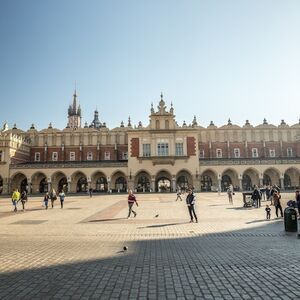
74 113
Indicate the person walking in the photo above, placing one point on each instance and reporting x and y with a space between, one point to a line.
53 197
298 202
23 199
256 196
46 199
62 198
91 192
15 199
190 202
131 201
230 193
277 204
178 194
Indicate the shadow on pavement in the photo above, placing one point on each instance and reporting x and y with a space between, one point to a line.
213 266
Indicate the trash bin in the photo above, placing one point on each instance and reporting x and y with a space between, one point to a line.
290 220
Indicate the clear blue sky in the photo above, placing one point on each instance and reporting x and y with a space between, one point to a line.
212 59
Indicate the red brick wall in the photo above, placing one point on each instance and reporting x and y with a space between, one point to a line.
134 148
191 146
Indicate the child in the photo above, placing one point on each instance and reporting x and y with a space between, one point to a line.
268 210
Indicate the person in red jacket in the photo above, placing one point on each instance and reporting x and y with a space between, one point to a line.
131 201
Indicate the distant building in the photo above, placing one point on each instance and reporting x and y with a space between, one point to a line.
161 156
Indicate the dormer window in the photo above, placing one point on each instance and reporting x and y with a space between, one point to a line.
219 153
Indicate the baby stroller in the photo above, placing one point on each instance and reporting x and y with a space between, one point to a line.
248 202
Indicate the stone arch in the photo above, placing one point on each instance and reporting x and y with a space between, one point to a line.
19 181
142 181
229 176
209 180
291 179
250 178
59 181
271 176
163 181
99 182
79 183
39 183
119 181
184 180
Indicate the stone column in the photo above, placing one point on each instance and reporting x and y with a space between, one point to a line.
241 184
220 184
153 185
69 184
49 184
6 186
261 181
282 183
108 184
173 183
28 185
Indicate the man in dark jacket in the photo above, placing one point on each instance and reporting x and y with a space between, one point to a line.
256 196
190 201
298 202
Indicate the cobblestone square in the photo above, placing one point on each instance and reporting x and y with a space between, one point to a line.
77 252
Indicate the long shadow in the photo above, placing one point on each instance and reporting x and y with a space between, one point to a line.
106 220
163 225
220 265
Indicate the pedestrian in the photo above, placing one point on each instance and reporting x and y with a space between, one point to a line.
263 192
178 194
268 211
268 191
15 199
256 196
90 192
190 202
23 199
277 204
53 197
230 193
298 202
46 199
131 201
62 198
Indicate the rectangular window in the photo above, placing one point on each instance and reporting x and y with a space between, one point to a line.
219 153
236 152
272 152
37 156
146 150
179 149
54 156
162 149
106 155
89 155
72 156
124 155
289 152
201 153
254 152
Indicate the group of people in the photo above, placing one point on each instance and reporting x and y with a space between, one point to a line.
23 198
19 197
52 196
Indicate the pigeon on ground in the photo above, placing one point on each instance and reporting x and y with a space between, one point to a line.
125 248
156 215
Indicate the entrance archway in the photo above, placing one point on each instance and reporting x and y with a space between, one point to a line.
271 176
249 179
209 181
39 183
99 182
163 182
43 186
291 179
19 181
82 185
59 182
184 180
229 177
119 182
142 182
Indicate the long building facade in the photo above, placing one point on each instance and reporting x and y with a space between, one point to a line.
158 157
